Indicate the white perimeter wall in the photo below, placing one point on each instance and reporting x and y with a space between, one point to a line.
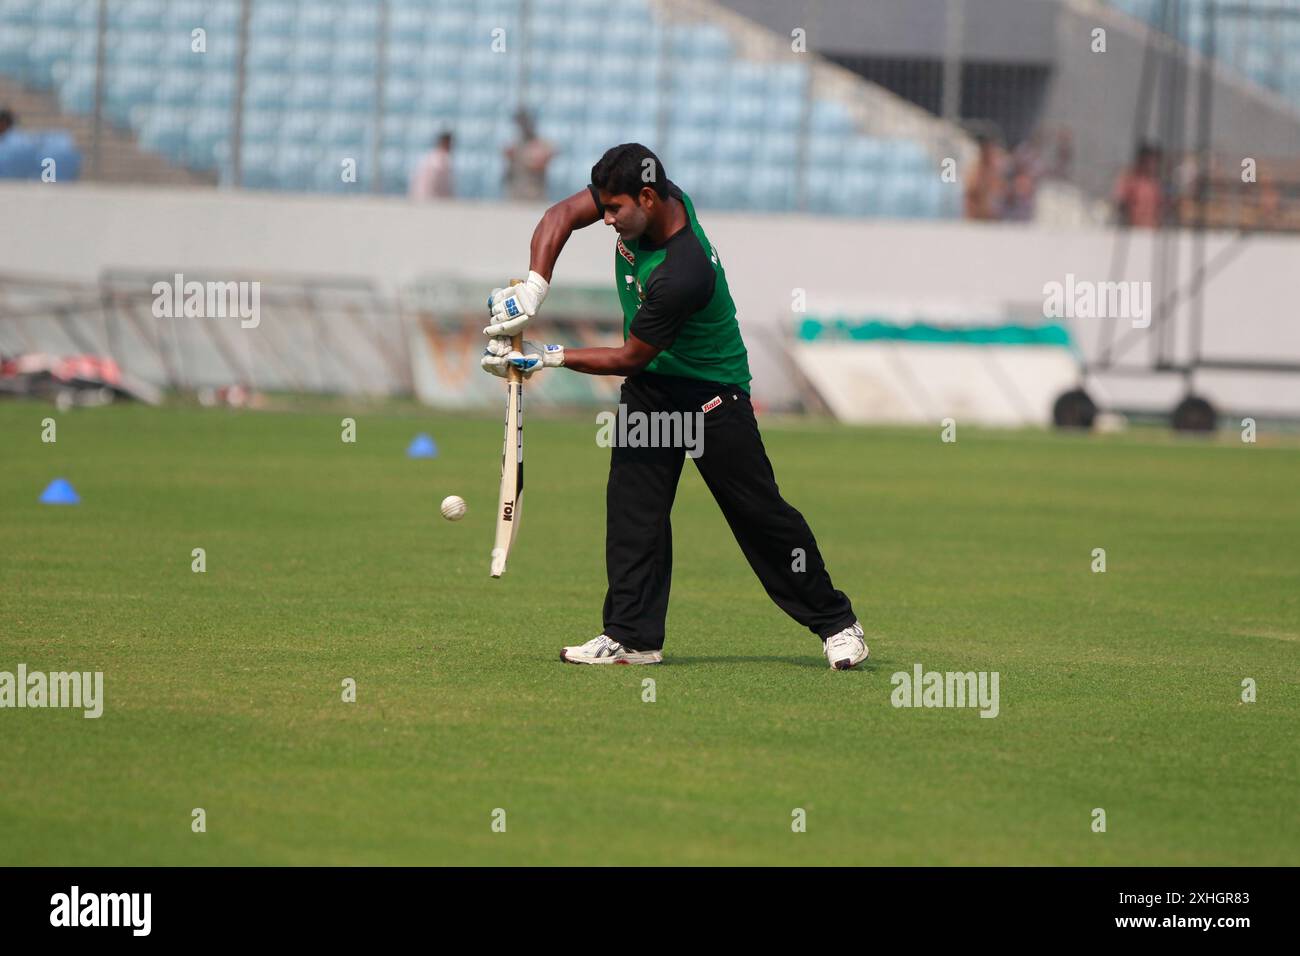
76 231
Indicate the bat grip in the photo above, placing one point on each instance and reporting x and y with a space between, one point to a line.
516 343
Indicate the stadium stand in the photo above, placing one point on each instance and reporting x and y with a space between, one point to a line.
731 109
1264 46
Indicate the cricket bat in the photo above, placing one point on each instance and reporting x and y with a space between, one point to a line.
512 463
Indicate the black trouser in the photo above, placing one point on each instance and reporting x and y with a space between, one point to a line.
734 466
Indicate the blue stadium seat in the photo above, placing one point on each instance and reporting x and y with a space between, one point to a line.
346 131
205 134
700 108
784 112
258 169
858 193
312 56
136 15
67 13
908 157
262 126
745 79
790 79
582 36
19 13
393 131
630 36
309 94
777 149
302 126
270 54
405 60
77 89
49 47
702 41
15 42
401 97
688 145
397 165
746 112
830 118
358 22
355 94
453 27
178 91
864 153
166 133
732 146
125 89
273 19
436 99
267 91
771 188
901 195
355 58
728 187
316 21
406 25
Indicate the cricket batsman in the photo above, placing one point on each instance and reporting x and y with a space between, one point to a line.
682 352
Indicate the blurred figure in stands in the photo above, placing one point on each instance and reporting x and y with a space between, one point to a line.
432 178
1027 168
986 185
1063 168
1138 199
7 122
526 161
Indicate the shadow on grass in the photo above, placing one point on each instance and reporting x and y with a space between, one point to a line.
818 663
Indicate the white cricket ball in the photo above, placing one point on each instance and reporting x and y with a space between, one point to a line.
453 507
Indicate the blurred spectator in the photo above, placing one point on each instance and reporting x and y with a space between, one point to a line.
7 121
432 178
1138 199
1063 167
526 161
1027 168
986 185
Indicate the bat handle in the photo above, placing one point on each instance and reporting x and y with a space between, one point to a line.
516 342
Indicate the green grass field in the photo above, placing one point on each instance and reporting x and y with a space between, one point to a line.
327 561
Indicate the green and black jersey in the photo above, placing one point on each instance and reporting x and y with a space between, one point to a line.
674 296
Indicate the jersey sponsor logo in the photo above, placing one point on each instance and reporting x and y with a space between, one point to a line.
626 253
712 403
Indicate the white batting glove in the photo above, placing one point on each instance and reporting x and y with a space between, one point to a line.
513 307
499 356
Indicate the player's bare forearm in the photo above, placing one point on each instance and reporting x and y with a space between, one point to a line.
598 361
558 223
628 359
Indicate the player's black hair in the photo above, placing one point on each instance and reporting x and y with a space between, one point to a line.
626 169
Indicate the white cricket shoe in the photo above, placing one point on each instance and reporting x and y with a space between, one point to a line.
606 650
847 648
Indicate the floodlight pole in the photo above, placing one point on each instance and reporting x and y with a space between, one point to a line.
237 107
